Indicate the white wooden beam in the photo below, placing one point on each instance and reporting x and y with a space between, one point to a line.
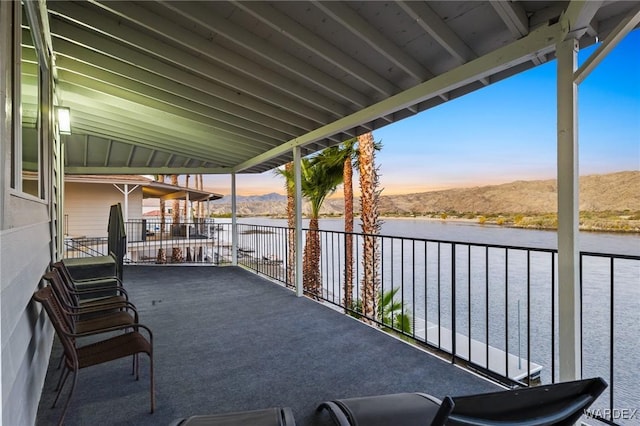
431 23
619 32
353 22
297 173
234 221
578 16
84 61
262 48
128 60
166 28
522 50
226 121
569 299
307 39
156 49
156 108
513 15
152 170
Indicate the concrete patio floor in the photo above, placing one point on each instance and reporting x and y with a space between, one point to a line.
226 340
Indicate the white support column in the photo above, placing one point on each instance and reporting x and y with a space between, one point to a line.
126 203
126 191
234 222
297 172
569 342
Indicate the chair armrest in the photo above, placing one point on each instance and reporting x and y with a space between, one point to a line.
136 326
77 311
87 291
336 413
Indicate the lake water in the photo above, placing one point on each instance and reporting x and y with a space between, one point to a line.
422 271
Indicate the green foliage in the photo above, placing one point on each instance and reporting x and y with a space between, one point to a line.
320 176
391 311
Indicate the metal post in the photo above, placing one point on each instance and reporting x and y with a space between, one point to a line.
234 223
297 171
569 342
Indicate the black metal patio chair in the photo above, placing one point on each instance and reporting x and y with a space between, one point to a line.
560 404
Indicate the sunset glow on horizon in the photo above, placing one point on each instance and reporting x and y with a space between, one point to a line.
502 133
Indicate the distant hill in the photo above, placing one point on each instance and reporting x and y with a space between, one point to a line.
598 193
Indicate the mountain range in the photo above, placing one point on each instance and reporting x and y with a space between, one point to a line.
618 191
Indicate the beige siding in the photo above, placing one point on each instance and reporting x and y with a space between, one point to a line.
87 207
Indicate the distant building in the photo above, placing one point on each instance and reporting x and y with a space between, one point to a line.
87 199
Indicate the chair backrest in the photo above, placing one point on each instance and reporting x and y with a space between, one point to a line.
117 236
61 289
47 298
559 404
65 275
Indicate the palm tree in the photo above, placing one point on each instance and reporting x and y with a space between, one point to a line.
320 176
350 154
175 212
163 206
370 192
291 223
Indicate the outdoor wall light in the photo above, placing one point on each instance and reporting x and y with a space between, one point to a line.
64 120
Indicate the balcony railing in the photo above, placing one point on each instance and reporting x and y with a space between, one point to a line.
492 308
85 247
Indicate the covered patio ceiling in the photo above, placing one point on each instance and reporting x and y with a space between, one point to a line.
232 87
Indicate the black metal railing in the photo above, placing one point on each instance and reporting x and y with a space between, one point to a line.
492 308
202 241
85 247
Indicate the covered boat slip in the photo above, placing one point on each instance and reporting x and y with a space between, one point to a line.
228 340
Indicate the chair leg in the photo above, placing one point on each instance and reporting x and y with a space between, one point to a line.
66 405
153 391
137 360
61 382
62 373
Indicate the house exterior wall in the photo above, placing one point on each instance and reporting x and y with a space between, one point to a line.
28 236
87 207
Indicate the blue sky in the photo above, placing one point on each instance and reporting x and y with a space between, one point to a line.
504 132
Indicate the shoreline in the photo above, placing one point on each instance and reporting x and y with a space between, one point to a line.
538 222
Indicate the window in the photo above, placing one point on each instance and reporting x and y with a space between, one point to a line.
31 84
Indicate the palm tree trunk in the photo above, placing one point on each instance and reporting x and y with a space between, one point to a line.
370 226
348 229
175 210
291 223
311 266
163 208
186 207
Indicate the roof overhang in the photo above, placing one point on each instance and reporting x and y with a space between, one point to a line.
149 187
232 87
